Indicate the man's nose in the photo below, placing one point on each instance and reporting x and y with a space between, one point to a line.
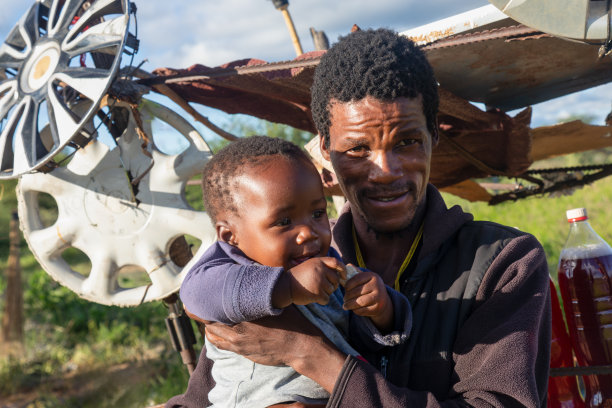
306 233
385 168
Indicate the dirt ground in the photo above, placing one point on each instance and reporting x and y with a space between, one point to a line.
85 388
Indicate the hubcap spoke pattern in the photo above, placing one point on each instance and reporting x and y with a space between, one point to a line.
114 221
60 54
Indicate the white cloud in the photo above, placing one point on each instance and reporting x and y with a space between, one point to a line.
595 102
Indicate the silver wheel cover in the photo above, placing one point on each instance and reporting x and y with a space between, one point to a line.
45 78
99 215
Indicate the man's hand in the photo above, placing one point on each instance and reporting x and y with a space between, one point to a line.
312 281
366 295
288 339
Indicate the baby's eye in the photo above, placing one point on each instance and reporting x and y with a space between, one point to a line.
318 213
284 222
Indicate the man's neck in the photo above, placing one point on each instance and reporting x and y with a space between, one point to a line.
384 253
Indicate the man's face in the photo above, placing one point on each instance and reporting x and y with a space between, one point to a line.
282 219
381 152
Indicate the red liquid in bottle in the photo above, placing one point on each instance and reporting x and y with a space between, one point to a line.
585 282
586 289
562 391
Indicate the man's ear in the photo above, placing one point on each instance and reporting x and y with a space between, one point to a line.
324 149
435 136
225 233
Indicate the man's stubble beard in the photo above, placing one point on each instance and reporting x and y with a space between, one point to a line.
403 231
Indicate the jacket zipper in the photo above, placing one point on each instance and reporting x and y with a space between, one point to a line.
384 363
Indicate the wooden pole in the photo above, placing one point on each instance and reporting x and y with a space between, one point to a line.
292 32
12 320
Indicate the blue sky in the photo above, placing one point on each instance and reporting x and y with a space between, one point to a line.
180 33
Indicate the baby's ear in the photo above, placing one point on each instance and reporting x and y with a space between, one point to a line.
225 233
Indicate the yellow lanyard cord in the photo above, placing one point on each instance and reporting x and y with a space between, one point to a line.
406 262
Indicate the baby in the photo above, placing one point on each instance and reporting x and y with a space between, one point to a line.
266 200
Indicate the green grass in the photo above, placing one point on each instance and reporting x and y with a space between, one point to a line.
70 342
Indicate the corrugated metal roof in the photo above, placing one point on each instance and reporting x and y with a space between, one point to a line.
514 67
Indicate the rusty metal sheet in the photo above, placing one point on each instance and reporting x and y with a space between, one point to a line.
514 67
277 92
468 190
570 137
280 92
479 19
470 151
505 68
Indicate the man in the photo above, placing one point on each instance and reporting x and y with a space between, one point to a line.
479 290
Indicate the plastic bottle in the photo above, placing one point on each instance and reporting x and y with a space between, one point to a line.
563 392
585 282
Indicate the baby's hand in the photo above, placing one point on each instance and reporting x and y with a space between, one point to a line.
366 295
314 280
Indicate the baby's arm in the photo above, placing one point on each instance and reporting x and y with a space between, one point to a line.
386 328
221 290
312 281
366 295
218 289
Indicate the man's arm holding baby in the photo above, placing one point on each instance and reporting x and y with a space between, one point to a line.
288 339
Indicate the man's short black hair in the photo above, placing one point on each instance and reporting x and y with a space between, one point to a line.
220 173
378 63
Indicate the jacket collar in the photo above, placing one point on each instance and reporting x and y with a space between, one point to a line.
440 224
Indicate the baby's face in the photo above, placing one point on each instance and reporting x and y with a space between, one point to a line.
282 218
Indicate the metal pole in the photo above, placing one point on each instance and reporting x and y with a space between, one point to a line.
181 332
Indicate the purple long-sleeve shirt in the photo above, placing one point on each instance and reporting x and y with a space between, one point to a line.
225 286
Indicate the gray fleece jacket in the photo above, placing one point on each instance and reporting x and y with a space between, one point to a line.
481 320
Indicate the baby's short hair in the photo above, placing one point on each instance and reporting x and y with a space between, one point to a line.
222 170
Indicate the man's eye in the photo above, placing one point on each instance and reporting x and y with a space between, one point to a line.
357 150
407 142
318 213
284 222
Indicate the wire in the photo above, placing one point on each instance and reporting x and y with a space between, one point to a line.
606 48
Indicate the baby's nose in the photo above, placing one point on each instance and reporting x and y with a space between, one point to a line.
306 234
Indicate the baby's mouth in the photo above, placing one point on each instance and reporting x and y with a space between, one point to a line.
298 260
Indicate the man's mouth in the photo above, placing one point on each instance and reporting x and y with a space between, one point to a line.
387 198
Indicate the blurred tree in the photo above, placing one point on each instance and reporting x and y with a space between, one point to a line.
584 117
12 319
248 126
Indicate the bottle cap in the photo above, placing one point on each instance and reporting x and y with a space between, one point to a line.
576 214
